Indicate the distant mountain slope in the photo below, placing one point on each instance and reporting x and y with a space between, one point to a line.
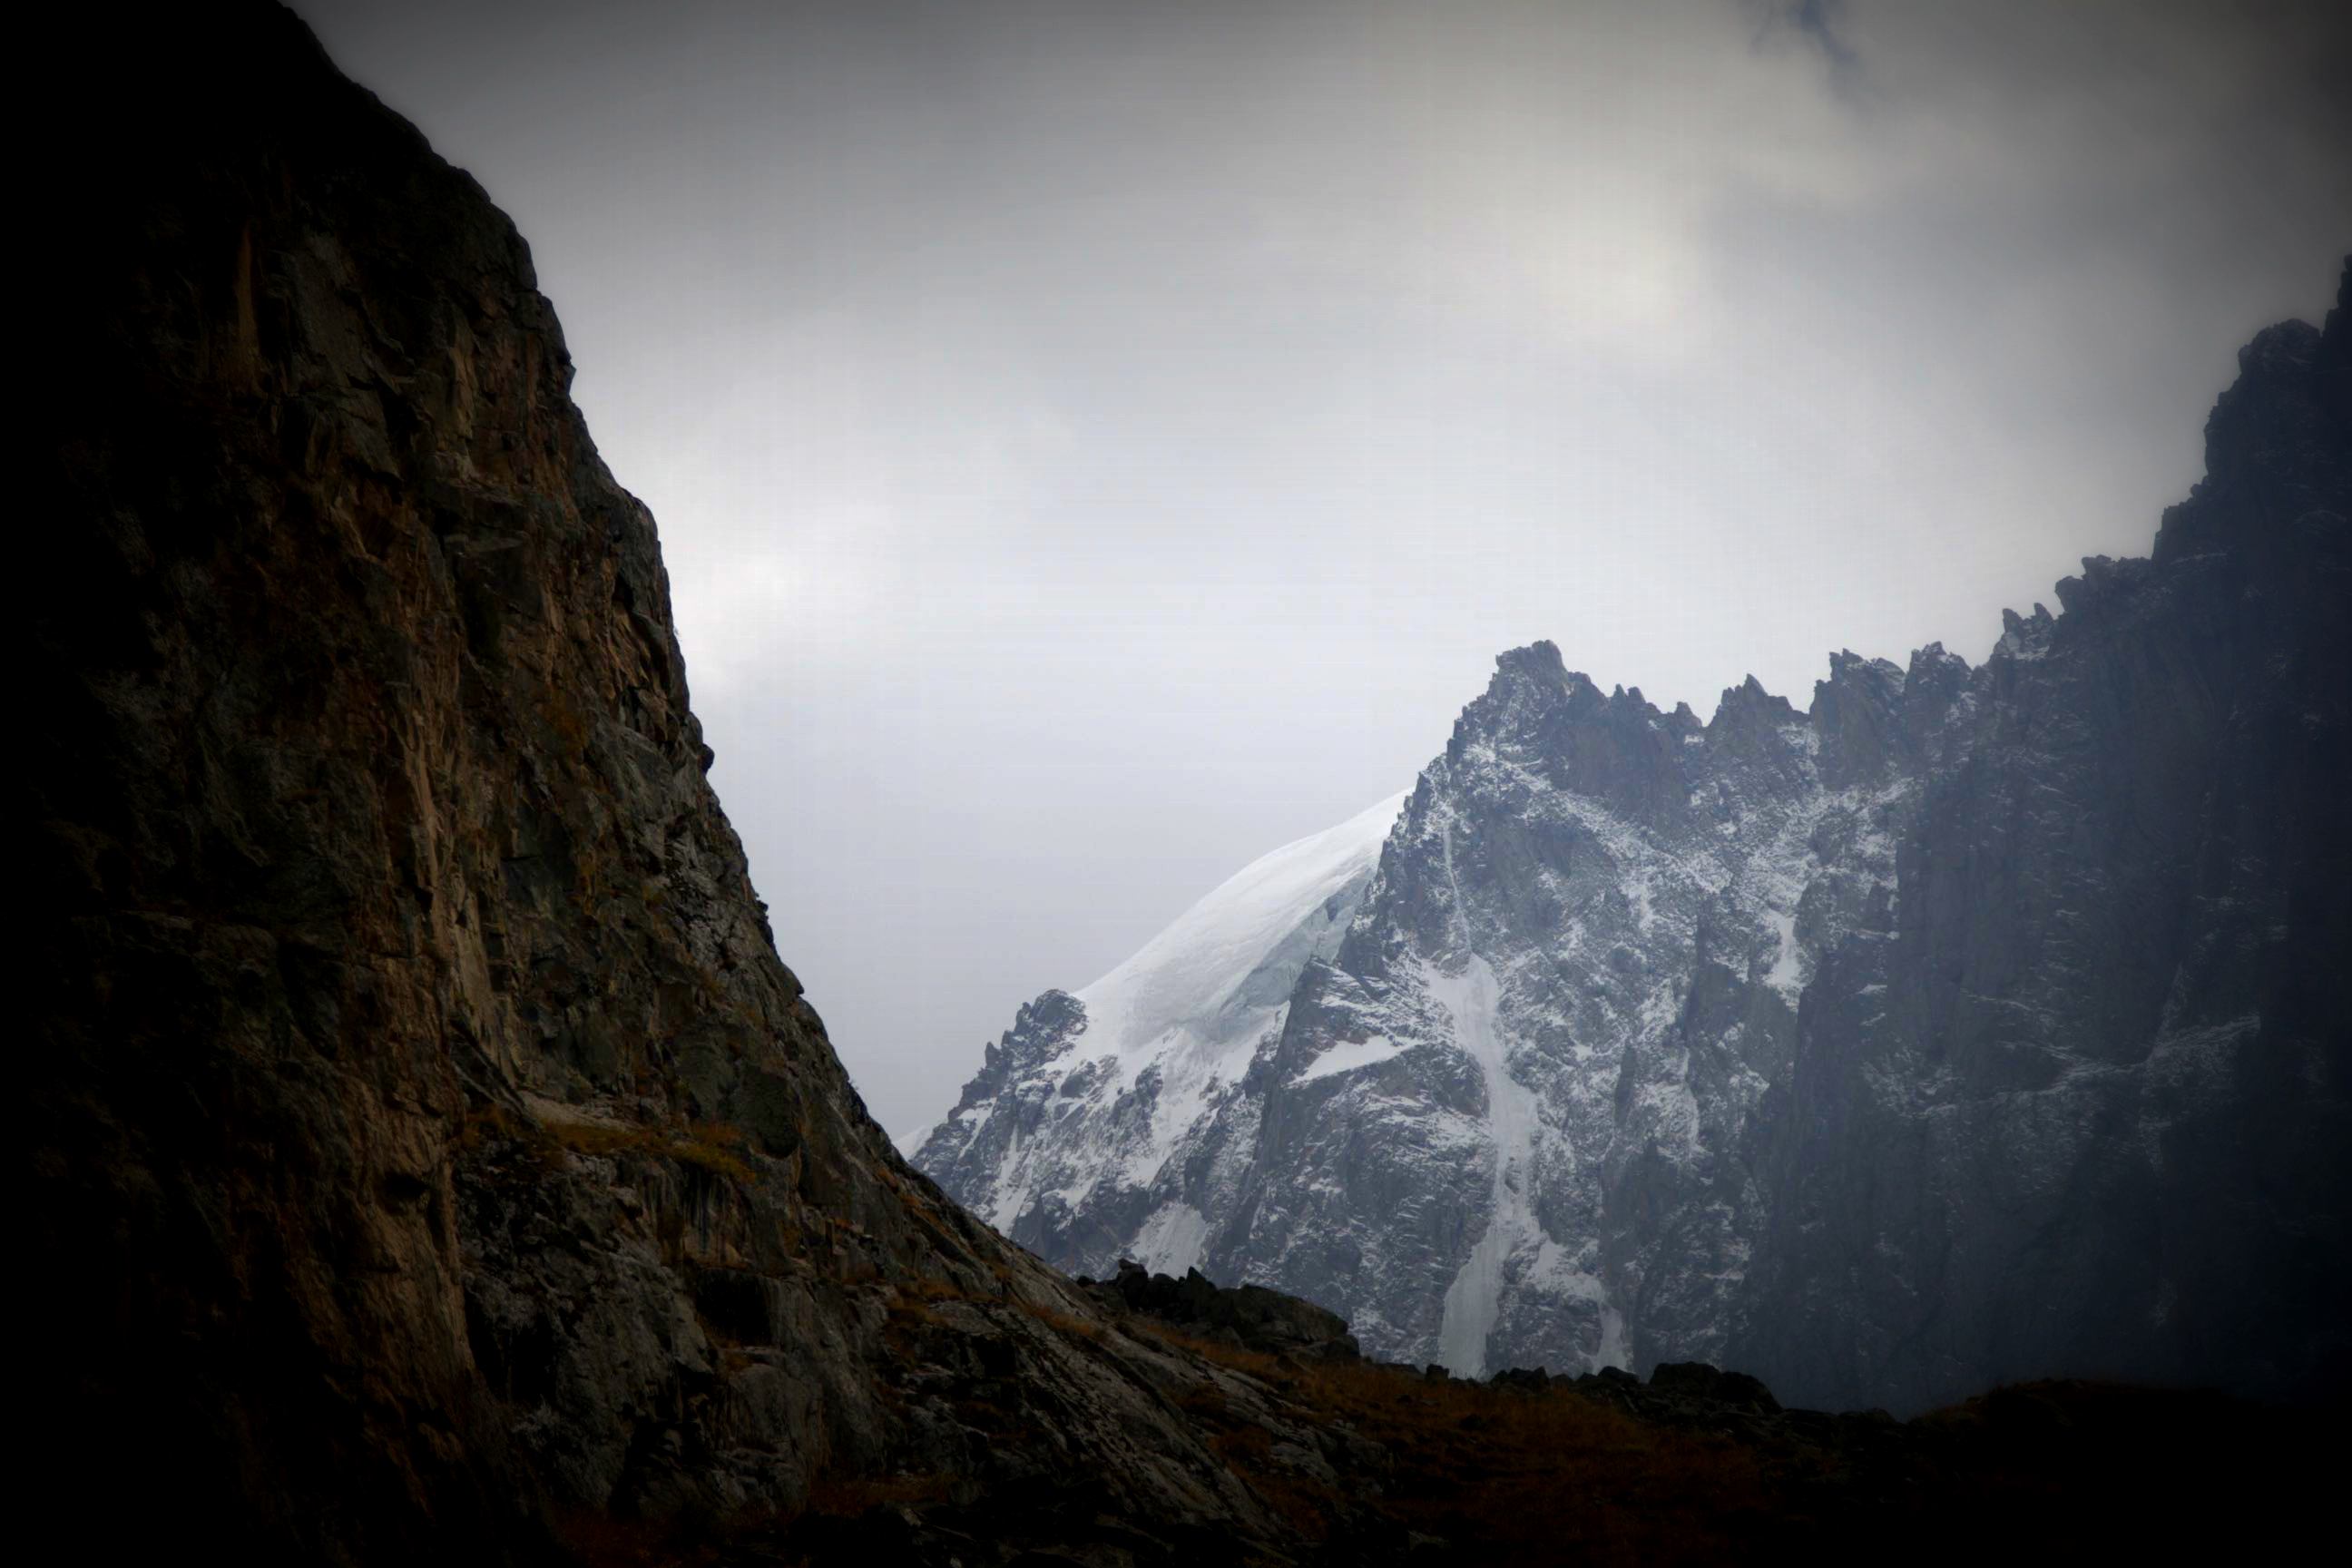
1970 1025
1125 1158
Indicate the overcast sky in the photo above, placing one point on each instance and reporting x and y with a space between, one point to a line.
1096 443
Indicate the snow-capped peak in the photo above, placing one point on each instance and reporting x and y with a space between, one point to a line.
1231 958
1096 1099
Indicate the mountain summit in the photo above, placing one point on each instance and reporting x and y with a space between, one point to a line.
1097 1129
1969 1024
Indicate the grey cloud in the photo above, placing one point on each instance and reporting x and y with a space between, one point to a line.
1815 21
1096 443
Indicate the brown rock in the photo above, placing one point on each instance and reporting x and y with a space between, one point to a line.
439 1148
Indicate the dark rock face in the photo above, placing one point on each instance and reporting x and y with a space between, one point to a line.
426 1144
2088 1105
1974 1025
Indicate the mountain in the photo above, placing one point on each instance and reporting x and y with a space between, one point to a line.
1109 1123
1968 1025
425 1152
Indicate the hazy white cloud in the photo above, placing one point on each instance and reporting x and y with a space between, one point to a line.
1094 443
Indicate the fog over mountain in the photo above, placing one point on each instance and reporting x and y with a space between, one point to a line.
1095 444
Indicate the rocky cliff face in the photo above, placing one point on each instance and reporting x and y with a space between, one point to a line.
1970 1025
2088 1101
427 1145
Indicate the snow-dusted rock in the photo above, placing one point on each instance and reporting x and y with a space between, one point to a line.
1970 1025
1112 1123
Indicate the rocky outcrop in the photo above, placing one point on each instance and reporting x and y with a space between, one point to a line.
1249 1317
1971 1025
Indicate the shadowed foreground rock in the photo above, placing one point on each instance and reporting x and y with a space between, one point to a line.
427 1143
430 1157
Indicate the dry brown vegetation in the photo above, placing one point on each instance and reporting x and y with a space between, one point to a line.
1498 1475
837 1496
1502 1476
914 1300
1511 1477
712 1147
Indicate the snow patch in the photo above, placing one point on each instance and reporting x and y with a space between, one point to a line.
1474 1300
1471 999
1173 1240
1349 1056
1784 977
